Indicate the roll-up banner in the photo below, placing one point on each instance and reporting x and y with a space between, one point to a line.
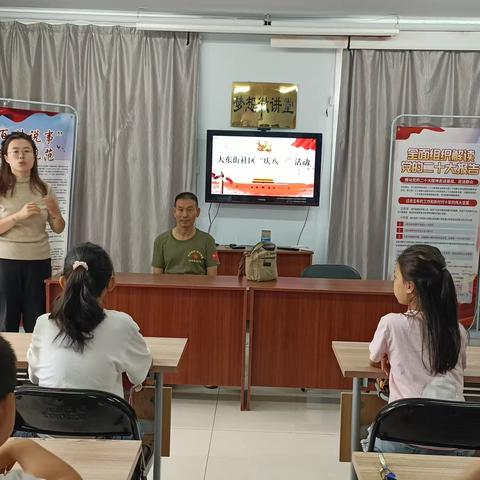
436 199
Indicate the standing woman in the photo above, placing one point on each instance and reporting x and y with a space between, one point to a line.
26 205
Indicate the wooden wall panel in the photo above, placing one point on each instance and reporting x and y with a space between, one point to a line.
292 334
289 263
213 320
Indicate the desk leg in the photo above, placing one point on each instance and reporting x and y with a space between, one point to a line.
355 440
157 443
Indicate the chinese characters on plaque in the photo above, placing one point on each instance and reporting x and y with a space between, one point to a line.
264 105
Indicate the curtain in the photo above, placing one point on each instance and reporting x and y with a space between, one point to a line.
135 94
376 87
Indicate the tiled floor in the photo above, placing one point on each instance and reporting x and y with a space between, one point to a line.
287 435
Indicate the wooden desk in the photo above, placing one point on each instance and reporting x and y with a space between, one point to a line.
96 459
209 311
166 354
294 320
289 263
292 324
353 359
412 467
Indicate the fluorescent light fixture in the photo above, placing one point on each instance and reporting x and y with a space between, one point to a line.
260 107
318 26
290 88
67 15
348 26
241 89
142 20
293 41
416 40
455 24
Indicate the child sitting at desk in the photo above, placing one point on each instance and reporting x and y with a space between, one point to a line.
36 462
423 351
80 344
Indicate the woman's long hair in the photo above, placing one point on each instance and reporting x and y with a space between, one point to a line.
7 179
77 311
436 299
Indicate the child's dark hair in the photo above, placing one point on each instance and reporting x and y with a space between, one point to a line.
186 196
436 299
77 312
8 368
7 178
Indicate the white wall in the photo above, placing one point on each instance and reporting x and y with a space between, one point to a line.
225 60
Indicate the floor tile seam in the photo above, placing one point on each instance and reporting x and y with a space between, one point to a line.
211 437
239 429
187 427
258 430
234 399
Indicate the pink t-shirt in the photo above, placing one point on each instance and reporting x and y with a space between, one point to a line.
399 336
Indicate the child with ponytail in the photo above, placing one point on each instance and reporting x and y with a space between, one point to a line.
423 351
80 344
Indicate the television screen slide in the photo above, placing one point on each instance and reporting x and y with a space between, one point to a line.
267 166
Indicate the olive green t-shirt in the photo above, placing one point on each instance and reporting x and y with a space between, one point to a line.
191 256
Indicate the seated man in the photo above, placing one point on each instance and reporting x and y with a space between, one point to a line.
185 249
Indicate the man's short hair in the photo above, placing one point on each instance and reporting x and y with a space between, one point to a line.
186 196
8 368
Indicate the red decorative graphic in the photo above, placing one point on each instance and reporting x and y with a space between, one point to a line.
403 133
306 143
19 115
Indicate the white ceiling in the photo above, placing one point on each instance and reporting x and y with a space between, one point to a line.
284 8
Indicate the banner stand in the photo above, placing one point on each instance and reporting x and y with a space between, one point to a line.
434 197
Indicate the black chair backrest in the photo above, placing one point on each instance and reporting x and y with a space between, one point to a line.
74 413
434 423
331 271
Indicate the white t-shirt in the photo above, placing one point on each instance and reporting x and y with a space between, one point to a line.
116 347
18 475
399 336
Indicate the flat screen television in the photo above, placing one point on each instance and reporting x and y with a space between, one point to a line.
274 168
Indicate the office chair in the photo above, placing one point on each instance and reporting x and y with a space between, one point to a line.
429 422
331 271
78 413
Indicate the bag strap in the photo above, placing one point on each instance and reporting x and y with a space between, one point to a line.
241 265
256 247
268 246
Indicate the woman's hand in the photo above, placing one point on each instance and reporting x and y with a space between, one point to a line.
28 210
52 206
55 219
